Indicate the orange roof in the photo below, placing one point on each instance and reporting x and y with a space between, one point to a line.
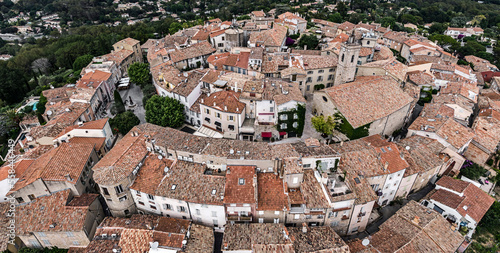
226 101
240 185
19 167
217 33
271 192
97 75
97 141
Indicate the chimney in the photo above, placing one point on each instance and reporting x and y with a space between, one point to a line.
386 165
225 108
304 227
68 177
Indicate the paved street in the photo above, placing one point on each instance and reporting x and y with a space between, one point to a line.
135 93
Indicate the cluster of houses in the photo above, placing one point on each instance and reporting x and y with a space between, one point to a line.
162 189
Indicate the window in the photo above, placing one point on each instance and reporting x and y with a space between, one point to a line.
295 180
330 77
217 115
198 212
20 200
310 72
126 212
276 212
261 220
334 224
151 197
342 58
308 216
309 79
214 213
220 44
121 199
230 118
241 181
333 214
354 230
141 203
283 126
320 78
296 216
181 209
261 212
230 127
295 124
352 59
295 116
167 206
31 196
118 189
271 109
76 243
283 117
331 70
216 223
173 187
207 111
321 71
42 234
69 234
152 207
207 119
276 220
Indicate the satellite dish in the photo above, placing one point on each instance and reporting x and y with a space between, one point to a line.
365 242
160 157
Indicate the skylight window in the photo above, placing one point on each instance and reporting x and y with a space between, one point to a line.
174 186
214 191
241 181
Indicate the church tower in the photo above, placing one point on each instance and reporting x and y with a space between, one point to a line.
348 59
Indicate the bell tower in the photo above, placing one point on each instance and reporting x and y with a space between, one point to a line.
348 59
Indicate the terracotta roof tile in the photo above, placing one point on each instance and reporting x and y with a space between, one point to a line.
226 101
271 38
240 185
452 184
50 214
245 236
195 50
271 193
368 99
325 240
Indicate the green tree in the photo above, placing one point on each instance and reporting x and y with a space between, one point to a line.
311 41
139 73
82 62
164 111
174 27
437 28
40 109
118 106
342 8
322 125
123 122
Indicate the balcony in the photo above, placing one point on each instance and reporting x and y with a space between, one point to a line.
297 210
362 214
345 217
240 218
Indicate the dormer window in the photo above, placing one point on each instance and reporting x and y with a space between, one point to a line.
241 181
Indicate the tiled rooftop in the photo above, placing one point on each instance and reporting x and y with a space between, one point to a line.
271 193
368 99
50 214
413 228
191 183
317 239
273 37
312 191
226 101
195 50
245 236
241 185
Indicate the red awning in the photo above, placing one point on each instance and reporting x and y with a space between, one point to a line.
282 133
267 134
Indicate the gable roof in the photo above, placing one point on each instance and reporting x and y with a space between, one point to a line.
226 101
368 98
270 38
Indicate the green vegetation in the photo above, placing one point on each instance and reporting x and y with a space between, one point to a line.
139 73
311 41
425 95
487 234
118 106
164 111
124 122
324 125
346 128
296 115
472 170
82 62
